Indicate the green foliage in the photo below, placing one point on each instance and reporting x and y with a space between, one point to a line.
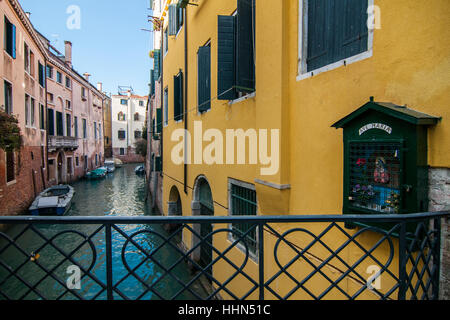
141 147
10 135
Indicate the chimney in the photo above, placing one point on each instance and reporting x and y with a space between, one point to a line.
68 53
100 86
86 76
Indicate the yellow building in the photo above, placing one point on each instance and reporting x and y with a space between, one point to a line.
284 72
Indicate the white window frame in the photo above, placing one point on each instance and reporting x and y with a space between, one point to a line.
302 72
253 255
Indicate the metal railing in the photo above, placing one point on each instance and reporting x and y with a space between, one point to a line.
387 257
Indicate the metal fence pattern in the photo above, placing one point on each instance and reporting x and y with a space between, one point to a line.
298 257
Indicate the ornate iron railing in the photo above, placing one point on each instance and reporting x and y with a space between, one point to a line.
149 257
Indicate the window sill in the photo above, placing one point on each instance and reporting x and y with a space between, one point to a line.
8 184
335 65
246 97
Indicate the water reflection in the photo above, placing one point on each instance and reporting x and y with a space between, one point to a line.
120 194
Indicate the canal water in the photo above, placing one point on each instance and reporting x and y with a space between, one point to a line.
122 193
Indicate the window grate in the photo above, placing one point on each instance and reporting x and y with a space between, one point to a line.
375 176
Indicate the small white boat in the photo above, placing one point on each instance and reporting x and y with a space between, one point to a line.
110 166
54 201
139 170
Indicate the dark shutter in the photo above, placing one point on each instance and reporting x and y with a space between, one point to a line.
159 120
173 19
51 122
178 97
41 75
41 117
59 124
226 63
245 62
152 82
204 78
320 33
156 63
351 21
180 18
10 172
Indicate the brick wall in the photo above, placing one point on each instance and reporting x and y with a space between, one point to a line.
16 197
439 181
129 157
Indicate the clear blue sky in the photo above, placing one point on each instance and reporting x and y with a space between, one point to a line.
109 43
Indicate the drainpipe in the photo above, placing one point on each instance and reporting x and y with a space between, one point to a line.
185 97
46 123
161 153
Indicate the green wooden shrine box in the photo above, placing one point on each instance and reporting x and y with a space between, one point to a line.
385 159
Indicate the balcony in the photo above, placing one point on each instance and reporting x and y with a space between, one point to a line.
60 142
293 257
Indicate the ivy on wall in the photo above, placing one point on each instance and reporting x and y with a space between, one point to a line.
10 135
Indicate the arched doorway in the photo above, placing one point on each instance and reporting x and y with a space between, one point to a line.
60 168
204 205
174 209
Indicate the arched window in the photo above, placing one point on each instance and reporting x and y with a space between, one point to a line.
121 116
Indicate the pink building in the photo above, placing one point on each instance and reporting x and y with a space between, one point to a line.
22 66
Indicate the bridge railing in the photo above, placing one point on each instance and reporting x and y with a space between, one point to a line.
385 257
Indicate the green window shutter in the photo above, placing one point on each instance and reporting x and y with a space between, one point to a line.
13 41
226 63
41 75
152 82
173 20
178 97
351 23
159 120
204 78
158 164
320 33
157 63
51 122
245 62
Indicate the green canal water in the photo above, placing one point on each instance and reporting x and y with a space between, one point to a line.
120 194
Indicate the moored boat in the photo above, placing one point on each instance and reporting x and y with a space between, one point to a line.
118 163
96 174
110 166
54 201
140 169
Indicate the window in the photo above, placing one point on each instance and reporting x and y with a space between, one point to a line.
84 128
41 75
137 134
51 122
50 97
166 107
121 134
99 131
96 160
59 124
86 162
331 32
29 111
58 77
121 116
75 126
243 203
204 78
32 71
136 116
166 42
68 125
26 58
175 19
77 161
10 167
68 104
178 97
41 116
8 97
10 38
122 151
50 72
236 56
68 82
69 166
124 102
141 103
95 130
83 93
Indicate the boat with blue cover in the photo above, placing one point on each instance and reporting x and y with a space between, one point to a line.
54 201
96 174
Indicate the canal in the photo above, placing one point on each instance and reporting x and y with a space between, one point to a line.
122 193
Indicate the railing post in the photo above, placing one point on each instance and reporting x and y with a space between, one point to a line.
436 258
261 260
402 263
109 273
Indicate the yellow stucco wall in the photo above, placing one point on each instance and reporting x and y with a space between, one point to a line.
410 65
